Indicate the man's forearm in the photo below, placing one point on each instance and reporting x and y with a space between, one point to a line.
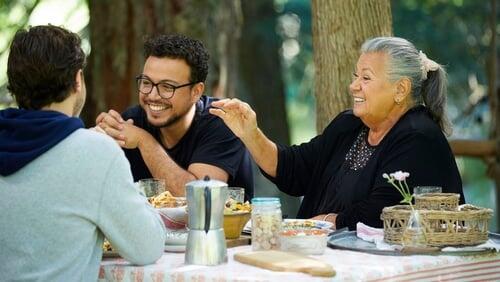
162 166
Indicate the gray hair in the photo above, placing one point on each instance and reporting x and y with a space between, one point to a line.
428 87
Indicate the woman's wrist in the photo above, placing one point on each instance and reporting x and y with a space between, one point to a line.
263 151
331 217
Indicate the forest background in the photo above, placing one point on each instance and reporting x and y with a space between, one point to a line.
262 52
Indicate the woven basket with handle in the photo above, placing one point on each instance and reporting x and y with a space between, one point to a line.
467 225
437 201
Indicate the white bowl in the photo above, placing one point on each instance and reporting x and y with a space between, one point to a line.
309 242
174 218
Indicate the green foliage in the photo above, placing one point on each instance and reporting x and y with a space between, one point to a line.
478 189
455 34
298 70
18 14
14 14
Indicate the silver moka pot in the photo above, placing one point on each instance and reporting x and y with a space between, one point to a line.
206 243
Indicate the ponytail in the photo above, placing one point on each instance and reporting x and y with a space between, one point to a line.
433 91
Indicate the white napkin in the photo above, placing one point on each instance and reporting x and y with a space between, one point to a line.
374 235
488 245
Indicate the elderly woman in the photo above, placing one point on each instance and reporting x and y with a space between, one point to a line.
396 123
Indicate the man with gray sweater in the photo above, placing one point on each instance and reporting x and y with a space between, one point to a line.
63 188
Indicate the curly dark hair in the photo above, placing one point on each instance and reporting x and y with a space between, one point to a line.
177 46
42 65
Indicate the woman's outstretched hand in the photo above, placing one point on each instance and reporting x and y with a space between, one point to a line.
237 115
242 121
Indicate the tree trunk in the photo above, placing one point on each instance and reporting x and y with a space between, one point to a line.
339 29
227 32
115 56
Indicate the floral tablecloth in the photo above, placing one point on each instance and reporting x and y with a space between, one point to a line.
349 265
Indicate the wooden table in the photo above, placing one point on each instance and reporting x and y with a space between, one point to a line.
242 241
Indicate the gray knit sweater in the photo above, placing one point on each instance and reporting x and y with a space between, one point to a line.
55 212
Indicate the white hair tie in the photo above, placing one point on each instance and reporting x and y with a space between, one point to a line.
426 65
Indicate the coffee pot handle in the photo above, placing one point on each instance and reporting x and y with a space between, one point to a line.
208 208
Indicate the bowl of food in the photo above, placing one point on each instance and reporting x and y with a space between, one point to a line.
171 209
234 223
305 241
167 200
236 215
298 224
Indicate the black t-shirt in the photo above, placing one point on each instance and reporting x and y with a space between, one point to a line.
208 141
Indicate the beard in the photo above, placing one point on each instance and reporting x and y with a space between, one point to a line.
172 120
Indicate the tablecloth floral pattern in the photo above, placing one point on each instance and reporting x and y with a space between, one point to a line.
349 265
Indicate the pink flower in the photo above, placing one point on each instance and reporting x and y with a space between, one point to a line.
400 185
400 176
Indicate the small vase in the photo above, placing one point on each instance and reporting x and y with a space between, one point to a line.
414 233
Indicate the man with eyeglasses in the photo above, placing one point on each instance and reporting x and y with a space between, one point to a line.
171 134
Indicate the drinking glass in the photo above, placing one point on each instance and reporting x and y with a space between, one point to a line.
236 193
152 186
419 190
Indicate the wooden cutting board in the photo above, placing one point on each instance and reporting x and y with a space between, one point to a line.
285 261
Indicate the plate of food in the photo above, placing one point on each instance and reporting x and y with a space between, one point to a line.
289 224
296 224
108 251
167 200
175 241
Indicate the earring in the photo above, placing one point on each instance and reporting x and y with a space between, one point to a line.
398 101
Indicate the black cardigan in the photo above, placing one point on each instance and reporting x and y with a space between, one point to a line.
415 144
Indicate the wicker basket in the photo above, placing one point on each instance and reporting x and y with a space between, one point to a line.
395 219
437 201
464 227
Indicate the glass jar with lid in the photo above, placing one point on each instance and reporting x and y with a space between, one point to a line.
266 223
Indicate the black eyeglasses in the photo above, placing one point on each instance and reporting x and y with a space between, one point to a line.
164 89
